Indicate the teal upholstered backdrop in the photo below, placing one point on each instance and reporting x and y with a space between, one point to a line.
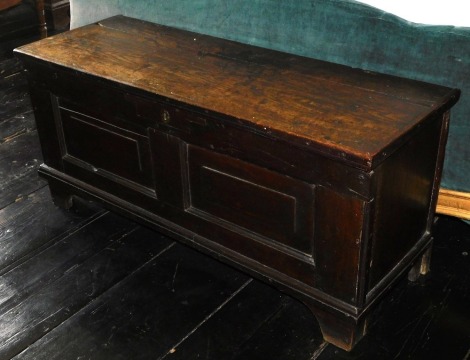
341 31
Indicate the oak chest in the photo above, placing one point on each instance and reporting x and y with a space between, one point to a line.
317 177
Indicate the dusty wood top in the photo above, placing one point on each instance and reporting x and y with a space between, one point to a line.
348 113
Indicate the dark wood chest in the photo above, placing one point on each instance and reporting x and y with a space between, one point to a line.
319 178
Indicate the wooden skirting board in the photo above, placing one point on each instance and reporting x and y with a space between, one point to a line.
454 203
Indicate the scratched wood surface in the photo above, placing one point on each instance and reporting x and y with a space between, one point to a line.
301 99
89 284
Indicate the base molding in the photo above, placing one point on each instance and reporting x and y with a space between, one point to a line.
454 203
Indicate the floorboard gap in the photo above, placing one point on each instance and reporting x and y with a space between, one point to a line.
169 352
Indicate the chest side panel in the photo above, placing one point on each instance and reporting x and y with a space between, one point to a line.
403 207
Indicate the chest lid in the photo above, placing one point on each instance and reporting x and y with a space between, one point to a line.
345 113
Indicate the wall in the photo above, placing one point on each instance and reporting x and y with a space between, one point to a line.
431 12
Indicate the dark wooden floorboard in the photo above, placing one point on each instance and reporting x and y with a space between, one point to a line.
87 284
55 302
17 125
234 324
148 313
9 66
20 153
291 334
14 96
19 161
59 258
34 223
